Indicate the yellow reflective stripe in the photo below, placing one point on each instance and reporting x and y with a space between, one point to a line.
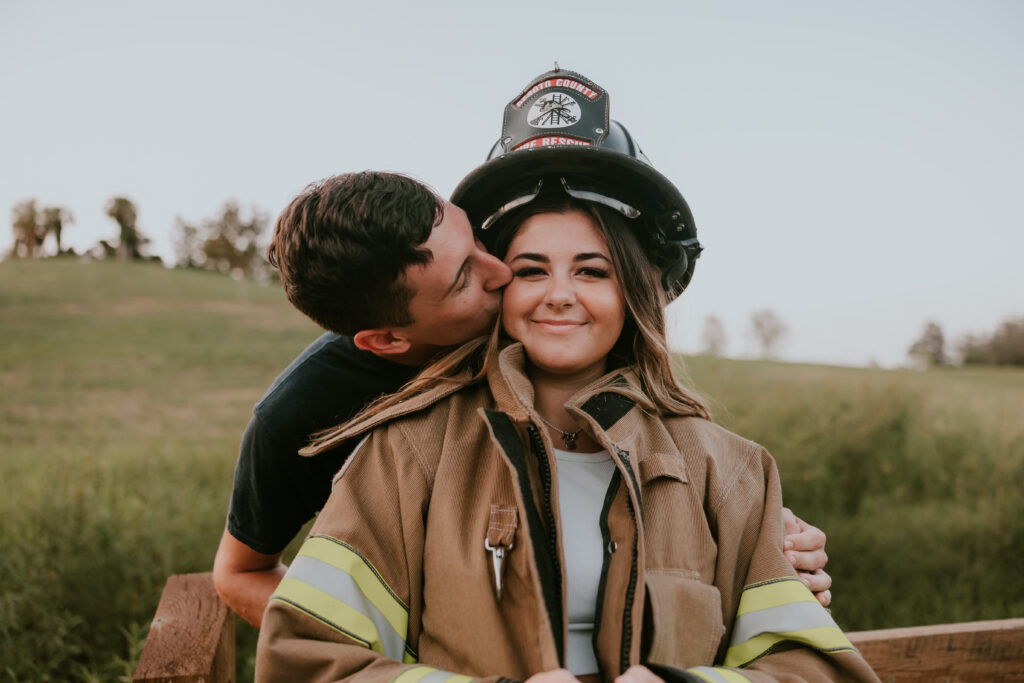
330 611
367 578
718 675
704 676
827 638
419 673
772 594
780 610
413 674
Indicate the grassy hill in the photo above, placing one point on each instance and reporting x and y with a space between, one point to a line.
124 389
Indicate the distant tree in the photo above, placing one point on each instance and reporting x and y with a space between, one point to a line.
123 211
1007 344
1004 347
54 218
713 338
188 248
973 350
930 348
26 224
231 241
768 330
103 250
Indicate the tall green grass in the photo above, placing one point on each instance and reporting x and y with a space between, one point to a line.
124 389
123 392
917 478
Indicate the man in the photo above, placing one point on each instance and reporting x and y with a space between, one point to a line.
395 274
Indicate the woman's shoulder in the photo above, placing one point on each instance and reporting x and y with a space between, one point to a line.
714 451
702 434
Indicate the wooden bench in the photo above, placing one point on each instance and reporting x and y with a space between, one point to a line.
192 639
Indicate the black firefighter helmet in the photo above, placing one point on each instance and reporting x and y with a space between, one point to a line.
557 136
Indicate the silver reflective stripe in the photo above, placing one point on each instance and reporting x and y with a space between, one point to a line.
340 585
795 616
710 674
436 677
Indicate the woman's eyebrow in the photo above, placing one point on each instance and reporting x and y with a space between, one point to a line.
530 256
586 256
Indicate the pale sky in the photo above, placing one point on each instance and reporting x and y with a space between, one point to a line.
856 167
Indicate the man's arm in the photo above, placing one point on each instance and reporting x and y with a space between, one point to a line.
244 578
805 550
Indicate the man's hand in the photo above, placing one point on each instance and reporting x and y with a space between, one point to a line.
244 578
804 547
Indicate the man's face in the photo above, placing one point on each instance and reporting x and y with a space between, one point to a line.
458 292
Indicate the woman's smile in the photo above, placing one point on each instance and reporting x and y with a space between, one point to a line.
558 326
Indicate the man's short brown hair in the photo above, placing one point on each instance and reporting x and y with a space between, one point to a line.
343 244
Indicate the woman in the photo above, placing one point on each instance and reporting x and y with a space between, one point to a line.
552 498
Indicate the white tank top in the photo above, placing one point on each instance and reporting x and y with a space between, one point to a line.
583 480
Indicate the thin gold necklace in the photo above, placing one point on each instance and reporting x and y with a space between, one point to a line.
568 438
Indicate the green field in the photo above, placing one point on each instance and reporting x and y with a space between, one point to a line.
124 389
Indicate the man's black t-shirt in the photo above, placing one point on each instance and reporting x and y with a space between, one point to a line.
276 490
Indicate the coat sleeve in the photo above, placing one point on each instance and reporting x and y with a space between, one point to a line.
349 606
776 629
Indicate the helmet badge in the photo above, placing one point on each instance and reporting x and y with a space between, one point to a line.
557 110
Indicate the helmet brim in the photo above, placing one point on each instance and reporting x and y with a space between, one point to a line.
495 182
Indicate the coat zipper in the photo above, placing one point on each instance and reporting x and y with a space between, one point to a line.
627 618
537 445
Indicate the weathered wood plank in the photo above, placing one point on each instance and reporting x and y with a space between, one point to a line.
966 652
192 637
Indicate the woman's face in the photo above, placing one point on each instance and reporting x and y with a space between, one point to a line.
564 302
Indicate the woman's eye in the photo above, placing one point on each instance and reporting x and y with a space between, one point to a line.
594 272
529 271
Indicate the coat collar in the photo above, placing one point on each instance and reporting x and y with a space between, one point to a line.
604 404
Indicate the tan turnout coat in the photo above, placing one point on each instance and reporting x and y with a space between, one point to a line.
396 582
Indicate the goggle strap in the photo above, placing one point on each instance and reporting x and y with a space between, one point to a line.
585 195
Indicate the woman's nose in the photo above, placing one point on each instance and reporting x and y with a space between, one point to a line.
559 292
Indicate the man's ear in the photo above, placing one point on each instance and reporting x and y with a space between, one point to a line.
381 341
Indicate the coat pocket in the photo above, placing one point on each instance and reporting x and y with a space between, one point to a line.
685 618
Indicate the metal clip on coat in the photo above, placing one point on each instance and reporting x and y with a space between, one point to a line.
500 538
497 564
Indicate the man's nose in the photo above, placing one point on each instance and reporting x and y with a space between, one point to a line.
498 273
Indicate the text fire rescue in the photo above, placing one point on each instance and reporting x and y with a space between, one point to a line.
548 141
